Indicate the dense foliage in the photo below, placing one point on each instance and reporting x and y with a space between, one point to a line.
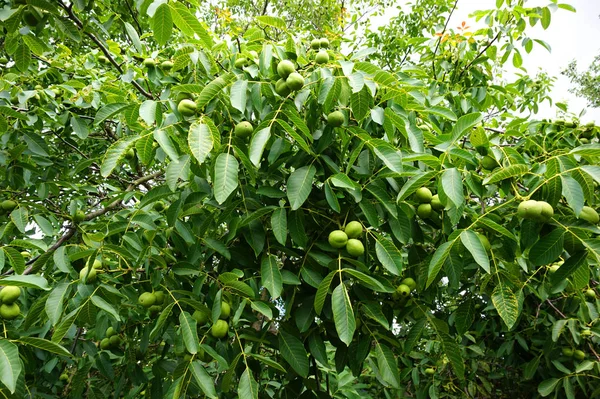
276 211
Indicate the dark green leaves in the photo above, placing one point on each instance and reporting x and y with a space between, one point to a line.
343 314
505 302
271 276
293 352
299 185
472 242
115 153
548 248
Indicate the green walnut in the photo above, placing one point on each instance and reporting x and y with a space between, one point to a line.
322 57
3 60
324 43
64 377
409 282
159 206
353 229
8 205
103 59
149 62
355 247
586 333
488 163
187 107
130 154
243 129
79 216
579 354
241 62
436 203
335 119
10 294
110 332
282 88
485 242
105 343
589 214
160 297
530 209
294 81
97 264
424 211
590 293
87 275
567 352
219 329
430 371
167 65
338 238
403 290
547 211
315 44
201 316
147 299
423 195
285 68
225 311
115 341
9 311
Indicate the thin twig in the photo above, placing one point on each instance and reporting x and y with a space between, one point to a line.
437 46
555 308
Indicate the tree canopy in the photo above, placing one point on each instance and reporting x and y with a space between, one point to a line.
252 200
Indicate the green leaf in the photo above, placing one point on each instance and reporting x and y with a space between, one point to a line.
275 22
293 352
388 368
569 267
453 186
343 315
189 332
547 387
389 256
135 39
211 90
373 311
226 177
573 193
248 388
506 173
298 139
505 302
270 276
115 153
465 123
161 320
46 345
22 57
238 95
269 362
204 380
414 183
162 24
361 103
189 24
473 243
441 111
102 304
452 351
299 185
437 261
546 17
414 334
20 218
390 156
257 145
54 303
29 281
548 248
322 292
262 308
368 281
486 222
110 110
464 316
10 364
279 225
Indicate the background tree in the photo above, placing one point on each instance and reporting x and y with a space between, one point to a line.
277 211
587 83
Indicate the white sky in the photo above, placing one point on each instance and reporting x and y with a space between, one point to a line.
570 35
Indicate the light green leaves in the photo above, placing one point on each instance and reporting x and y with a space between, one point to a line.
505 302
389 256
279 225
271 276
506 173
473 243
343 315
46 345
203 379
257 145
189 332
29 281
200 141
453 187
437 261
293 352
10 364
238 95
248 388
54 303
388 368
162 24
299 185
226 176
114 154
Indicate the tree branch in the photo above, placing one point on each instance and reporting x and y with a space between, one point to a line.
102 48
437 46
